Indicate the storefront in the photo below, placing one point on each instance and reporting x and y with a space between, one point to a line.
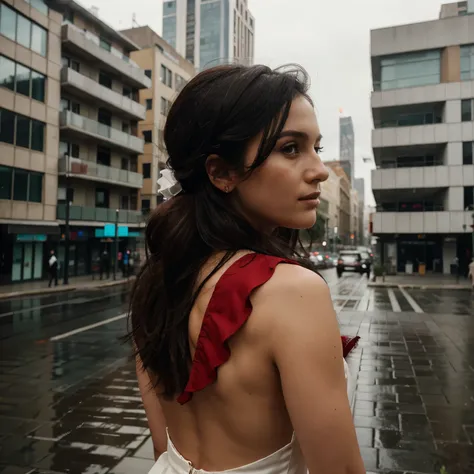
24 252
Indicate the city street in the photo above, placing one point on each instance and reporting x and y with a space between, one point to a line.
69 401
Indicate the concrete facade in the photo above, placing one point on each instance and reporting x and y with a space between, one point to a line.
422 141
164 63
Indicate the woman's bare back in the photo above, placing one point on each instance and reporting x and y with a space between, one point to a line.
242 416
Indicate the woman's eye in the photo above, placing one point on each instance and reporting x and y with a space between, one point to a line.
290 149
319 149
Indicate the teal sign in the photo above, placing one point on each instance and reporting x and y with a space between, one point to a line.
109 231
31 238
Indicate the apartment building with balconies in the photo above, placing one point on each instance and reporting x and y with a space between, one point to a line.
422 105
99 137
30 63
169 73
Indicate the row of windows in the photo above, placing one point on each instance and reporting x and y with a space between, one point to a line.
40 5
21 79
20 185
18 28
19 130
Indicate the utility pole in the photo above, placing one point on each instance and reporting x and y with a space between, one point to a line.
116 244
66 230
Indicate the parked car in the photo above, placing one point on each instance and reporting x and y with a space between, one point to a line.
317 259
353 261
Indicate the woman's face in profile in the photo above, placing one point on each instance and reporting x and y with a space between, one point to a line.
284 190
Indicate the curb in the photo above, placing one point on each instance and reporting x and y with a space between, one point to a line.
419 286
62 289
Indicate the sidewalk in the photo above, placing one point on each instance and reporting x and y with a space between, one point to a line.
75 283
432 282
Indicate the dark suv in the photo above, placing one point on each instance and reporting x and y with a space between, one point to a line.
353 261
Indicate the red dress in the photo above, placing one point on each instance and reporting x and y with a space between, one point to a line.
227 311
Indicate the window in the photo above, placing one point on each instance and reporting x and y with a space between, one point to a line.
7 126
38 85
39 39
104 44
105 80
146 170
18 28
7 22
179 83
101 197
23 31
125 127
147 136
23 125
7 73
40 5
148 73
37 135
145 205
466 110
166 76
468 197
124 202
467 153
165 106
410 70
20 185
149 104
23 79
103 156
125 164
68 15
104 117
35 187
5 182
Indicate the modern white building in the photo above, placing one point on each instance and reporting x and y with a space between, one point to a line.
210 32
422 104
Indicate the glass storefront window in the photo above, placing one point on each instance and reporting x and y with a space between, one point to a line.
23 31
7 73
23 75
28 261
7 22
39 39
38 263
17 262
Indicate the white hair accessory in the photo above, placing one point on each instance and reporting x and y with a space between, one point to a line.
168 186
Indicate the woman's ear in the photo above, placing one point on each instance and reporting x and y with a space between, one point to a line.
220 174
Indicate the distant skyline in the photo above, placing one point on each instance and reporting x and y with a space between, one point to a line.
331 39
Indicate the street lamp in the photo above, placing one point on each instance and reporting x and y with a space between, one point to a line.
116 244
66 230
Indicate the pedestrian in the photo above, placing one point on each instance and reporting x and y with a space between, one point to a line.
53 269
125 263
239 356
105 264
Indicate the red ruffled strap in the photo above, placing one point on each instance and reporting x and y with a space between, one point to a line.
227 311
349 344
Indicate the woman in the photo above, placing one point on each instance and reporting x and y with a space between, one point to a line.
239 356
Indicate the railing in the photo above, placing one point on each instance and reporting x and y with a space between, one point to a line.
95 39
408 207
416 163
93 88
101 172
70 119
410 121
97 214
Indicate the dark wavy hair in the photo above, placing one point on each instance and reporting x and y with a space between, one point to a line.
218 112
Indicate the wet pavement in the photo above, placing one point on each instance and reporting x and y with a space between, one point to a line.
69 401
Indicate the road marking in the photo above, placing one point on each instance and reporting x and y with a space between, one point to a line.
412 302
393 301
349 297
364 302
86 328
371 300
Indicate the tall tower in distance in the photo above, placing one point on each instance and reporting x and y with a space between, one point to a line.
210 32
347 144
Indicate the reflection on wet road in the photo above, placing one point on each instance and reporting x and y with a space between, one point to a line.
69 400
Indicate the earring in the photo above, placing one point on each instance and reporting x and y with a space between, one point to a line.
226 189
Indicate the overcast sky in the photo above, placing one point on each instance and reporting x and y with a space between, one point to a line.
330 38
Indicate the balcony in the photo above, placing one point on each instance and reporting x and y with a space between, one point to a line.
84 126
420 135
87 45
441 222
91 171
81 85
97 214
